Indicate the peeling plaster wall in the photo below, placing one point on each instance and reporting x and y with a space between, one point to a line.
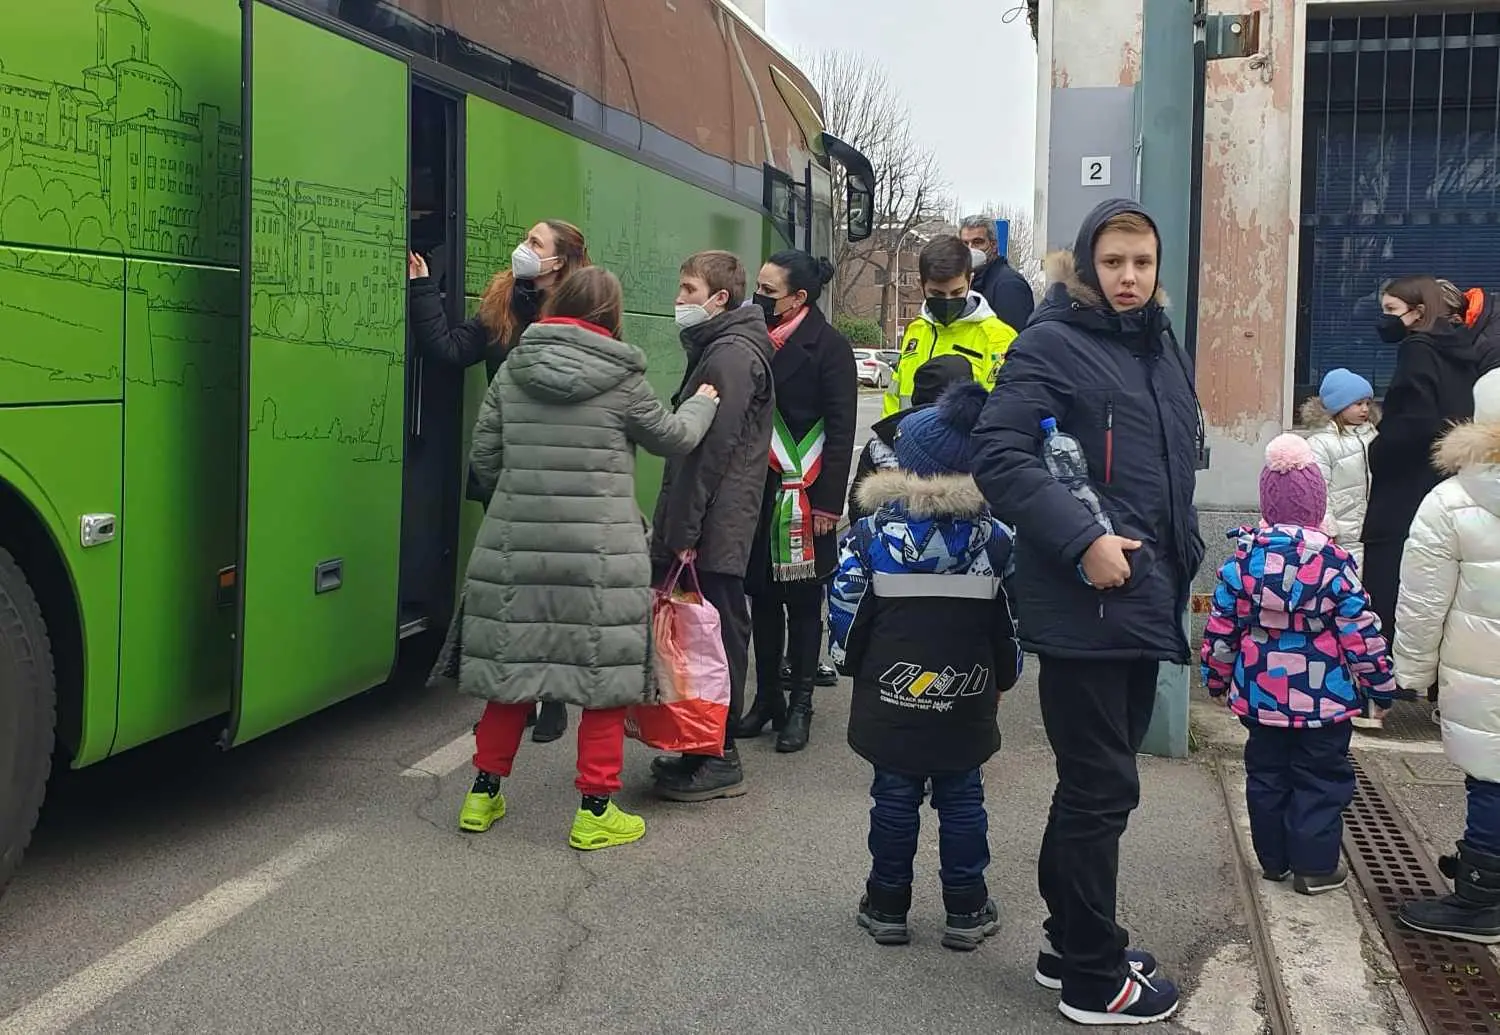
1080 44
1096 44
1252 128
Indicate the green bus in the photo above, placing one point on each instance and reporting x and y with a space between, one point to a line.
228 487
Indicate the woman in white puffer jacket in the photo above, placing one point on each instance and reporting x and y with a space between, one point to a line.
1346 417
1448 630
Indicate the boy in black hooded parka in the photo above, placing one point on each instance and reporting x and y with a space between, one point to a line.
1101 611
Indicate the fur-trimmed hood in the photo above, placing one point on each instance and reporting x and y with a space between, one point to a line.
1062 268
1467 445
1471 452
1315 415
940 496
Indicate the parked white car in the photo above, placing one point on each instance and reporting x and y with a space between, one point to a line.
873 371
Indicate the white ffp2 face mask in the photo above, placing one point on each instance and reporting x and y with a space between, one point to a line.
978 259
692 315
525 263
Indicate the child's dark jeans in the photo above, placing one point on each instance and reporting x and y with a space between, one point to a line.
1482 832
1297 784
963 828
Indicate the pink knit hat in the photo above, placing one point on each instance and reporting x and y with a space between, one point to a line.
1292 490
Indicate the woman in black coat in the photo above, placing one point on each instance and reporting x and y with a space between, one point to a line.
511 303
1432 389
795 549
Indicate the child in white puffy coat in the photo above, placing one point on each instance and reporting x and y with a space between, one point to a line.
1448 631
1343 411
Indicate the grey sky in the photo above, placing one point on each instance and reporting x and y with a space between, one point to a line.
969 78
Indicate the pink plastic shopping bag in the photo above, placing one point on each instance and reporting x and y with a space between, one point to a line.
690 707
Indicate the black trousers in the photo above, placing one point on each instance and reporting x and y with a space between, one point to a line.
727 594
1096 714
788 621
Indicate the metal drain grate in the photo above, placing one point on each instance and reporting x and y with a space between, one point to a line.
1454 985
1412 721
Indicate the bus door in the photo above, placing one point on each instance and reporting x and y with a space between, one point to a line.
323 368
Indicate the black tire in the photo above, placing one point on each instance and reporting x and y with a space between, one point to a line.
28 714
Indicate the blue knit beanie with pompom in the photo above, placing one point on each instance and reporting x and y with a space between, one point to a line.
940 439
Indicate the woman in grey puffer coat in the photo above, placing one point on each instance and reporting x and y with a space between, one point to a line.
557 598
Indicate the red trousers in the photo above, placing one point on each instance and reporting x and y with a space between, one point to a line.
601 745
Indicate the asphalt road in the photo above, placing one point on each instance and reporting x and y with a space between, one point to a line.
314 881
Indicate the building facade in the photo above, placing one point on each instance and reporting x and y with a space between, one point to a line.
1360 144
884 286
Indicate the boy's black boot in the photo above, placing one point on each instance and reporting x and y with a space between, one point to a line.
1472 912
972 917
799 713
882 912
551 724
709 779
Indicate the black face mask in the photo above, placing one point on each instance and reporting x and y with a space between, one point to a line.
1392 329
946 310
768 306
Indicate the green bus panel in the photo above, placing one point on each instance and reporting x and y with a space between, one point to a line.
325 396
60 318
119 127
639 223
182 427
65 461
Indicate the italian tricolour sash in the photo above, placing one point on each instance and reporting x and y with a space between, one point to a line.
799 464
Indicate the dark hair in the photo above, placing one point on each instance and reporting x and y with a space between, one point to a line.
803 272
721 271
1422 291
593 295
944 258
495 310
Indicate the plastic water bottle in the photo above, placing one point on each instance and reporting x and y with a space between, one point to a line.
1064 458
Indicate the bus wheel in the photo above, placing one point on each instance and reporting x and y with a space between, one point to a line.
28 714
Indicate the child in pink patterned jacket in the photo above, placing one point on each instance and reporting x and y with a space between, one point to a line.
1292 640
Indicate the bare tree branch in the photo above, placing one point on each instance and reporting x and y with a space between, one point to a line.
865 110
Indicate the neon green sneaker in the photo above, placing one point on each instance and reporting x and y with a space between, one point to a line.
484 805
615 827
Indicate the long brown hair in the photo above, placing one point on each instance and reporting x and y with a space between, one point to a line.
495 310
1422 291
592 294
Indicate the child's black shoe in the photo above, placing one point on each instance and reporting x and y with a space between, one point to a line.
882 912
972 917
1321 883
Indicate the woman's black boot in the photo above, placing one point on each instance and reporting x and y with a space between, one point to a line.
769 708
799 714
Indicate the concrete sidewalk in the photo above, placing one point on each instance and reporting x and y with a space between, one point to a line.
1332 967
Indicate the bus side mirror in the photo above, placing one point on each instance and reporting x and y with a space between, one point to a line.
859 203
859 195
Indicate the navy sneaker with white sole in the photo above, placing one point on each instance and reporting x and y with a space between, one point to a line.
1140 1000
1049 966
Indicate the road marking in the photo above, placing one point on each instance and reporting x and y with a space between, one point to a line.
99 982
446 758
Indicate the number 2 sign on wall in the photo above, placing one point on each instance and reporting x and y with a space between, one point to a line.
1096 171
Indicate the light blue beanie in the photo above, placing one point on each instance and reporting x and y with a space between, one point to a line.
1341 389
